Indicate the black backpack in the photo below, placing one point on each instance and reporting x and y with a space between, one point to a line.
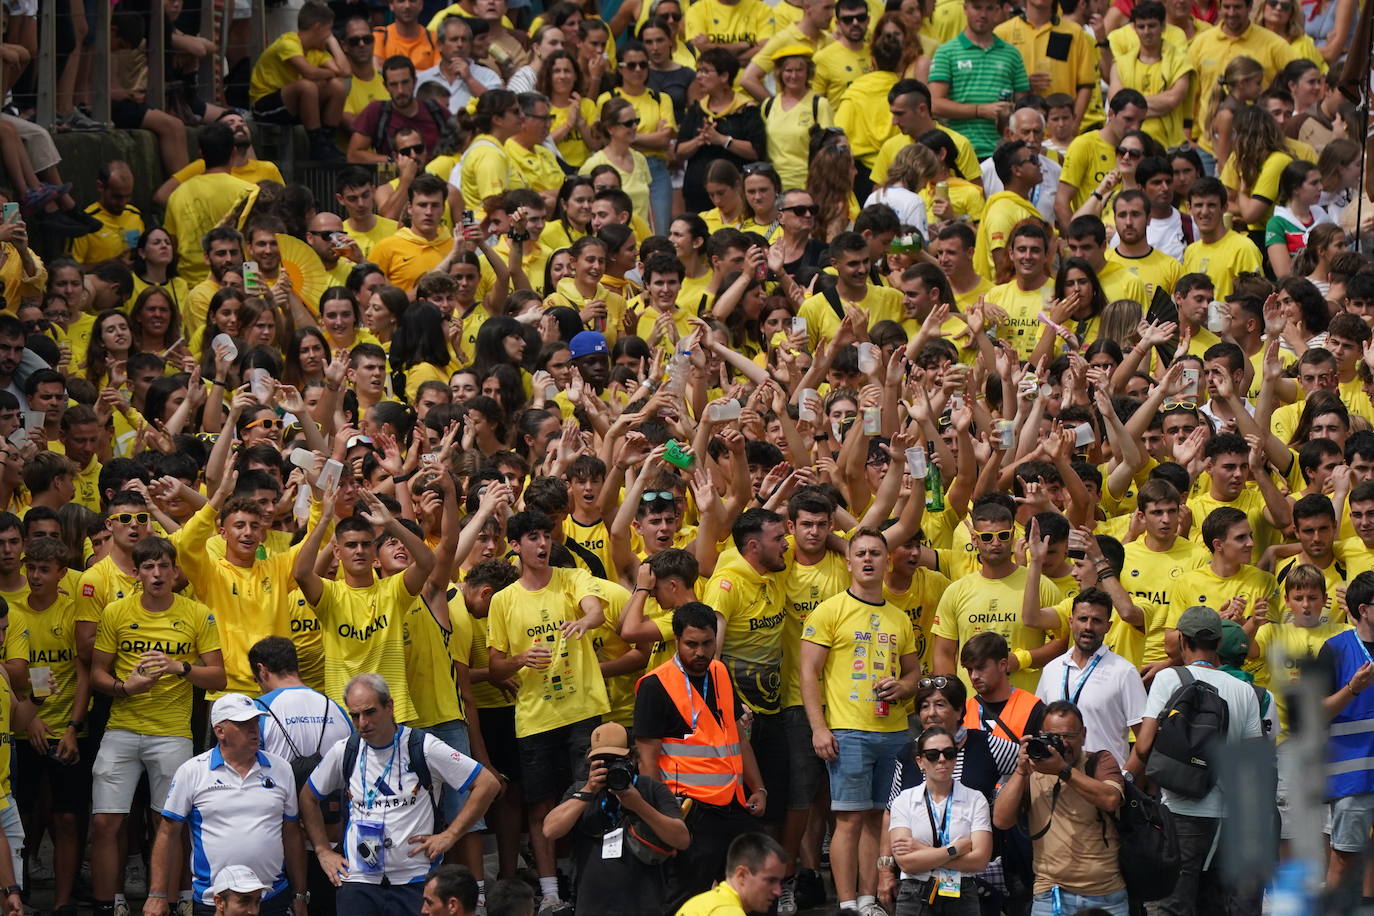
415 750
1148 852
302 765
1194 720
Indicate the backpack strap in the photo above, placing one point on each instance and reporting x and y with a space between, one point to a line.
438 113
324 726
383 122
1185 677
415 749
832 295
350 761
1186 222
285 734
767 106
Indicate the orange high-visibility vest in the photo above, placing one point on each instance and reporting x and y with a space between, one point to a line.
1015 715
707 765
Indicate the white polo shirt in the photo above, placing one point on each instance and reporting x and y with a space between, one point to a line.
383 788
302 717
234 820
1107 691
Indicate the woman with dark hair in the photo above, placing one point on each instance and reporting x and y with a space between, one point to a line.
261 324
535 431
1324 416
341 319
155 264
1187 167
948 196
164 397
600 308
500 341
112 340
383 312
1305 314
830 182
573 114
984 758
722 124
671 60
1077 309
1295 213
616 129
365 277
919 843
762 194
558 266
154 319
307 353
221 317
725 188
739 306
487 169
622 254
1325 241
485 422
572 216
419 349
688 234
505 384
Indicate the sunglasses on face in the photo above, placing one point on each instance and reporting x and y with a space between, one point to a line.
633 122
987 537
128 518
802 209
938 682
1128 153
267 423
670 17
933 755
634 65
417 150
358 41
853 18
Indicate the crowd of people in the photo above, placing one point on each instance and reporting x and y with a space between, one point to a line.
713 458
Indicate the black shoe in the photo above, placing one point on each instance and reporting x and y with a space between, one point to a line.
810 889
323 148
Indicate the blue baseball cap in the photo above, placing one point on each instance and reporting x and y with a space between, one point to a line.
588 343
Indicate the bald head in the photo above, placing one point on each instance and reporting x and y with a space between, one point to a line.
325 221
116 186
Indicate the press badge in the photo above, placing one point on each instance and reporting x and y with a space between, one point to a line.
947 882
368 855
612 843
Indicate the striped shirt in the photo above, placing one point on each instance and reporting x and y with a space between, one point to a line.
978 76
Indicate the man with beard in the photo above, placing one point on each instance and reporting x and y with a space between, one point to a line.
864 647
376 126
365 83
120 221
243 162
12 339
686 729
591 357
273 282
1133 251
223 250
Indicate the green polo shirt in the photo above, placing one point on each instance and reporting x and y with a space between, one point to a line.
977 76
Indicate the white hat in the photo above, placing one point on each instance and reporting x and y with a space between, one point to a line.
237 878
234 707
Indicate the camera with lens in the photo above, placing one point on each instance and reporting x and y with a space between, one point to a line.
1039 747
620 772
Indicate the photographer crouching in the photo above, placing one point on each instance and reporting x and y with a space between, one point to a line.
1069 797
623 826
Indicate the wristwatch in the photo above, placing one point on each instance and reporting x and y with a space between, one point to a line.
584 796
1066 773
953 851
185 669
303 896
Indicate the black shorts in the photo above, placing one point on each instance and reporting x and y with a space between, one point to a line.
272 109
498 733
807 775
553 760
768 738
127 114
69 784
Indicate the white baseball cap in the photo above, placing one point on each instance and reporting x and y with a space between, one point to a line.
234 707
237 878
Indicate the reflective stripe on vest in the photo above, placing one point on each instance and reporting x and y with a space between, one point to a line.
707 765
1016 714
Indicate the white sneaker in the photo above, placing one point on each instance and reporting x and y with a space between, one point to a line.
121 909
872 909
787 901
185 908
135 879
40 872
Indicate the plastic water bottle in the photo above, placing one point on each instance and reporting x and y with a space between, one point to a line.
678 367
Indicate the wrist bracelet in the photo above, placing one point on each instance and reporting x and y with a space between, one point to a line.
156 895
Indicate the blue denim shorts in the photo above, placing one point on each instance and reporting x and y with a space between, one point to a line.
861 775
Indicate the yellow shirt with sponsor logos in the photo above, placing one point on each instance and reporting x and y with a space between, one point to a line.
918 601
866 643
1204 587
879 303
538 167
571 688
606 642
836 67
975 603
752 605
1150 575
184 632
430 652
728 23
1023 327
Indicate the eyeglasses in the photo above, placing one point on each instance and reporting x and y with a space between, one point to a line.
634 65
879 461
633 122
853 18
1179 405
358 41
1127 153
987 537
129 518
417 150
547 118
268 423
932 755
655 495
802 209
938 682
1060 735
38 326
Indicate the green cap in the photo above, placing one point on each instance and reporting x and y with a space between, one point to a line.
1235 643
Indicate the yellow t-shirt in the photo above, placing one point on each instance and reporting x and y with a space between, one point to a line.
487 695
918 602
383 228
1282 648
100 586
836 67
309 641
804 589
1023 307
573 148
789 132
864 116
752 606
1120 283
273 70
1204 587
184 632
1150 575
1222 260
1002 212
866 643
1071 65
487 172
966 164
721 900
362 93
634 183
46 641
196 207
727 23
974 603
252 171
118 233
360 635
430 653
879 303
1212 49
1089 158
571 688
651 107
1266 182
1154 78
1156 271
608 646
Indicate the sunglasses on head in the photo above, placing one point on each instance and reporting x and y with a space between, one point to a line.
126 518
1179 405
416 150
938 682
802 209
987 537
265 423
358 41
933 754
655 495
357 440
757 168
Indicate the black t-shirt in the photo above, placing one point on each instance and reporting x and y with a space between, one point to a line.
1034 721
657 717
623 886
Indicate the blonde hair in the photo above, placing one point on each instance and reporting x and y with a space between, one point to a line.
1292 32
913 166
1119 322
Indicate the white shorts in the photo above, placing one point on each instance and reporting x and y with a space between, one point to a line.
38 143
14 833
22 7
123 757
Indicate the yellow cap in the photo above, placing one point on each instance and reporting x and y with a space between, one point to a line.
797 50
